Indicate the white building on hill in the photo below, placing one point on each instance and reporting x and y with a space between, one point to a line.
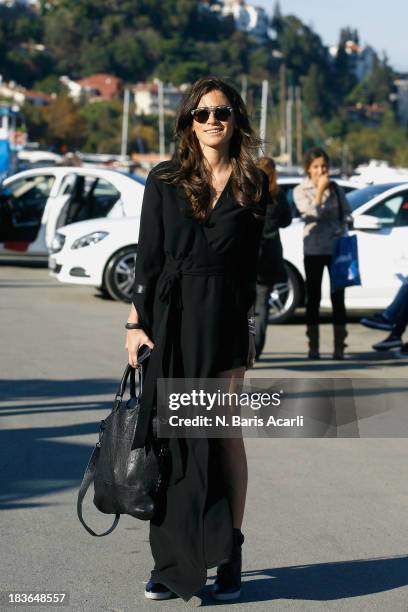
362 58
251 19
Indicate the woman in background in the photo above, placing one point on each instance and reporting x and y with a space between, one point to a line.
324 209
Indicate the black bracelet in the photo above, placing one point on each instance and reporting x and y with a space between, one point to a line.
133 326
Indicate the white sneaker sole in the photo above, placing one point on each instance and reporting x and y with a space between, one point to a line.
157 596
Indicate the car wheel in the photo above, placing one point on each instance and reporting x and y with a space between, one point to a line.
285 298
119 274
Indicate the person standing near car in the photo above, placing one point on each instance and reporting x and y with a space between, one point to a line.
324 209
271 268
194 293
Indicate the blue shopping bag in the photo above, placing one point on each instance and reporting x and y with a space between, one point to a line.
344 266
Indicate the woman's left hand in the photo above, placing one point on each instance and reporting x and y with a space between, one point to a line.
251 352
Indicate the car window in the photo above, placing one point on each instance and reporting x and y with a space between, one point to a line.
348 188
387 210
30 186
361 196
103 196
90 197
402 216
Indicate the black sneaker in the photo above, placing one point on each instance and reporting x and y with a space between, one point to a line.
155 590
377 321
403 352
391 342
227 585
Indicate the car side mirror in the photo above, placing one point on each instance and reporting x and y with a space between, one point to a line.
366 222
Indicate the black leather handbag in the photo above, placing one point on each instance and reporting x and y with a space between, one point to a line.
126 480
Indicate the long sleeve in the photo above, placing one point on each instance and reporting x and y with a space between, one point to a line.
150 252
255 230
278 215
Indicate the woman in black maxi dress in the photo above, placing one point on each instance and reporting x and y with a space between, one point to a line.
194 286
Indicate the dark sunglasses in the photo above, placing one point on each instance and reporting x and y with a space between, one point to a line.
221 113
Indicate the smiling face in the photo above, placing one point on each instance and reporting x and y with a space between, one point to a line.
214 133
317 168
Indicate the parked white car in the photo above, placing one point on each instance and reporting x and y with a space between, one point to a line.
102 252
35 203
98 252
110 263
380 214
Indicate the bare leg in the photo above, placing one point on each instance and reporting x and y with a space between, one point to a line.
233 457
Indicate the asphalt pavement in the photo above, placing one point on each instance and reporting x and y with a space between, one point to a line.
326 524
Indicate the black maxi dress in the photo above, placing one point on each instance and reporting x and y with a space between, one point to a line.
194 284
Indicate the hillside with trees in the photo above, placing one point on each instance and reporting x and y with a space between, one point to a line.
178 41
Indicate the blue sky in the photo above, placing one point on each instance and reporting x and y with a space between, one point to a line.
381 23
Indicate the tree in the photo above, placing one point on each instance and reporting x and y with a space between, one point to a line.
313 88
344 77
377 86
102 126
301 48
277 22
64 40
37 126
64 123
20 59
50 85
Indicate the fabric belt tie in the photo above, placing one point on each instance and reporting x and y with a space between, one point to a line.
174 269
169 288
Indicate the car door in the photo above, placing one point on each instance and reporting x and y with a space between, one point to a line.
68 190
82 197
382 250
22 205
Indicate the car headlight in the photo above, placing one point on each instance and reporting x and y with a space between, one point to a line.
57 243
89 239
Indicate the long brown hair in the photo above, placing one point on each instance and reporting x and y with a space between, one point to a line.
191 174
267 164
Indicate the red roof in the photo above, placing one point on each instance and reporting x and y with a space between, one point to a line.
29 93
107 85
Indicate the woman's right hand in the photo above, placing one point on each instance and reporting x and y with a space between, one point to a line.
135 338
323 182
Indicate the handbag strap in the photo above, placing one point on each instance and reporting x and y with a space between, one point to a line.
86 481
129 370
143 354
89 473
